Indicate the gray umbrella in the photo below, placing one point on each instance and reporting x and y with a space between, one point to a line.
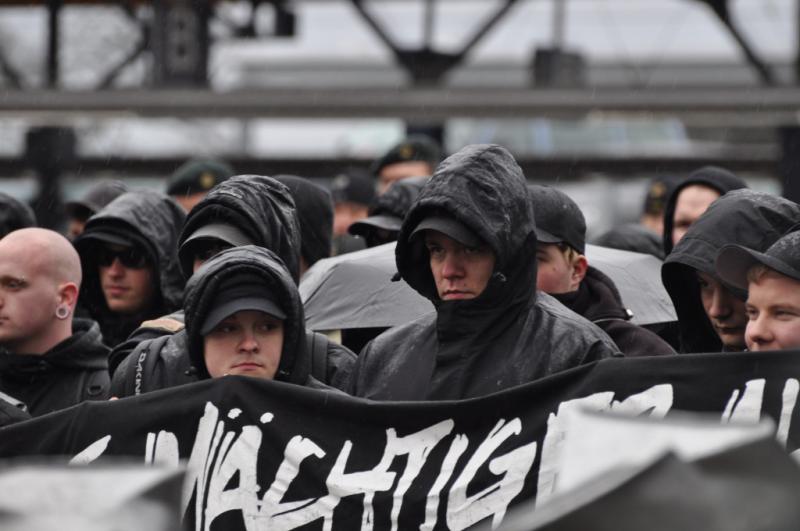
355 290
638 279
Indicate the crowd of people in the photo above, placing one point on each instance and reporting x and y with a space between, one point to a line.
149 290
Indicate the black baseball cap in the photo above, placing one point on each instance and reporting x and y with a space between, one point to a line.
246 292
558 218
415 148
353 186
221 232
450 227
734 261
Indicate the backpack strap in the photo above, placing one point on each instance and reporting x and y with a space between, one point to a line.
146 357
318 349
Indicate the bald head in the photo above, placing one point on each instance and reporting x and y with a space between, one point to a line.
45 252
40 276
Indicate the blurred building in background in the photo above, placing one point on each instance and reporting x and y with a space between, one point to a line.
595 95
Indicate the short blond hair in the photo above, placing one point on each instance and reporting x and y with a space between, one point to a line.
569 254
757 273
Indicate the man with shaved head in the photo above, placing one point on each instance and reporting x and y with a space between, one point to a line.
48 360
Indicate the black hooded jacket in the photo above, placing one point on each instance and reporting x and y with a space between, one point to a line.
315 213
719 179
598 300
509 334
71 372
152 219
180 360
752 219
261 207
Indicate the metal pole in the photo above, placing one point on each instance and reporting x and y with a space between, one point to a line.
53 9
559 21
429 22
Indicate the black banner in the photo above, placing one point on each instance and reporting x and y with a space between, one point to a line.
266 455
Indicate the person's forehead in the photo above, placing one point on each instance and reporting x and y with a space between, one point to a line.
696 195
20 265
774 289
407 168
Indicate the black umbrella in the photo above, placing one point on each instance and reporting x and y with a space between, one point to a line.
355 290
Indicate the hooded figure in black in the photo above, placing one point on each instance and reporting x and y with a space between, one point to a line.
507 335
244 210
149 221
315 213
14 215
752 219
718 179
262 267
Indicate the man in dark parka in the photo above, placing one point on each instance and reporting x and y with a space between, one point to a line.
505 335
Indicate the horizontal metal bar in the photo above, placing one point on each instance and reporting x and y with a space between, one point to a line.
551 168
761 106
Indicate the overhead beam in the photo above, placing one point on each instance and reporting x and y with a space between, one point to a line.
546 168
717 106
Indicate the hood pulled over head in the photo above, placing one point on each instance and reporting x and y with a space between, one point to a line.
259 207
146 218
718 179
483 188
251 262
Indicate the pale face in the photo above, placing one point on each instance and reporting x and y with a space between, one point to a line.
28 301
401 170
460 272
773 310
692 202
347 213
127 290
246 343
725 311
187 202
554 273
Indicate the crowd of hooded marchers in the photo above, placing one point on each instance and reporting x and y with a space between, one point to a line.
150 290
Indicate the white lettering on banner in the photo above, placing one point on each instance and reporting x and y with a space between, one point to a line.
464 511
219 454
747 408
790 391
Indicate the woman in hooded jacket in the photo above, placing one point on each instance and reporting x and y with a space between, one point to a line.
244 316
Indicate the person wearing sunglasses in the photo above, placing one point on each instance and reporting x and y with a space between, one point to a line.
128 252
